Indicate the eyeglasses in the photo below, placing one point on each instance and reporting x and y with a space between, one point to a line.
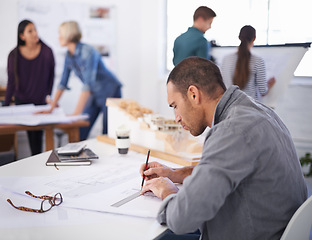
46 205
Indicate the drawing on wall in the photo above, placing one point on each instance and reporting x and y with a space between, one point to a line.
99 12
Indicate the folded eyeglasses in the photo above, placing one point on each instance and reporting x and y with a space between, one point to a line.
46 205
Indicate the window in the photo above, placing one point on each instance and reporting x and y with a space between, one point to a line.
276 22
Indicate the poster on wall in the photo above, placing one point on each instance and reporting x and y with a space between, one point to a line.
97 23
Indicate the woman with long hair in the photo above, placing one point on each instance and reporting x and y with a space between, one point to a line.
245 69
30 74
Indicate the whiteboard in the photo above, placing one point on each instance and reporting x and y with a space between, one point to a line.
281 62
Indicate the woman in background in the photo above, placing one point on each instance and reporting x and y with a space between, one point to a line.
98 82
246 70
30 74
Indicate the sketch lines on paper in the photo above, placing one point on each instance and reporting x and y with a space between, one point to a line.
77 184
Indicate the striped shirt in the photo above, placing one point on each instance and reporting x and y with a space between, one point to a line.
257 83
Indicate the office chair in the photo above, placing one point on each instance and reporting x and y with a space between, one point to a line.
299 225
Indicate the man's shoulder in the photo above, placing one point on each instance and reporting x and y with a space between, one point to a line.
244 112
191 33
182 36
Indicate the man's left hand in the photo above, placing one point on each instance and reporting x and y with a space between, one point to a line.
161 187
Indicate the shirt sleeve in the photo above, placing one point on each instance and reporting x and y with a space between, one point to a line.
161 218
204 192
261 81
11 78
65 75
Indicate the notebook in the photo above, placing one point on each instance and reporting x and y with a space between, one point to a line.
84 158
85 154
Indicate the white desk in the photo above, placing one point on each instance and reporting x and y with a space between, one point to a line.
73 223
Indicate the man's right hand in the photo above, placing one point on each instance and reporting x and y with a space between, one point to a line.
155 170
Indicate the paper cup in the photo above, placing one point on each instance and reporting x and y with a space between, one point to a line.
123 139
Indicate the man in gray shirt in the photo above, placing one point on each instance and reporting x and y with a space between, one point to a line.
248 183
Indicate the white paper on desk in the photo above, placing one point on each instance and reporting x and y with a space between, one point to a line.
16 109
26 115
96 189
143 206
56 216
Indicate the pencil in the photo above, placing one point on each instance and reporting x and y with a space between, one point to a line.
148 154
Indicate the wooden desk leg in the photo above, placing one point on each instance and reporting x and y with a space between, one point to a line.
73 135
49 139
15 147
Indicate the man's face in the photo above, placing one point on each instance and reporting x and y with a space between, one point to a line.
186 113
207 24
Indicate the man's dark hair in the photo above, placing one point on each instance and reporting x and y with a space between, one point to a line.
204 12
200 72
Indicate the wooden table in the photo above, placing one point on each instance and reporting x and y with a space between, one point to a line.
155 153
72 129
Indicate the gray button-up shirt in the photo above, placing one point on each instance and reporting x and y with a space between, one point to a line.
248 183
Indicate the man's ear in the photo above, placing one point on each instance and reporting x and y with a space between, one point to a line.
193 94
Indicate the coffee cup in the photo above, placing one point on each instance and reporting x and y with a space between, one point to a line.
123 139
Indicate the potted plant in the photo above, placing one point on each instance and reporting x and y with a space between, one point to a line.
307 161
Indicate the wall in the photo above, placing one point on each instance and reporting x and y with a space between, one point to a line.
139 38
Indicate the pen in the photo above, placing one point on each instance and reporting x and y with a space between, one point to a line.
148 154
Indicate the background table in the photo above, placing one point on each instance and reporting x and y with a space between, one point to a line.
71 128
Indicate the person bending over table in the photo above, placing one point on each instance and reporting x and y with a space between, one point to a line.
98 82
249 181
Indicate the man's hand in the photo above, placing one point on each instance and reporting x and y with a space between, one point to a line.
155 170
161 187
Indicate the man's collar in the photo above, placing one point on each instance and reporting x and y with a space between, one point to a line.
223 103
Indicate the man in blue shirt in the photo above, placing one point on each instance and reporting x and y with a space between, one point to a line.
193 42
